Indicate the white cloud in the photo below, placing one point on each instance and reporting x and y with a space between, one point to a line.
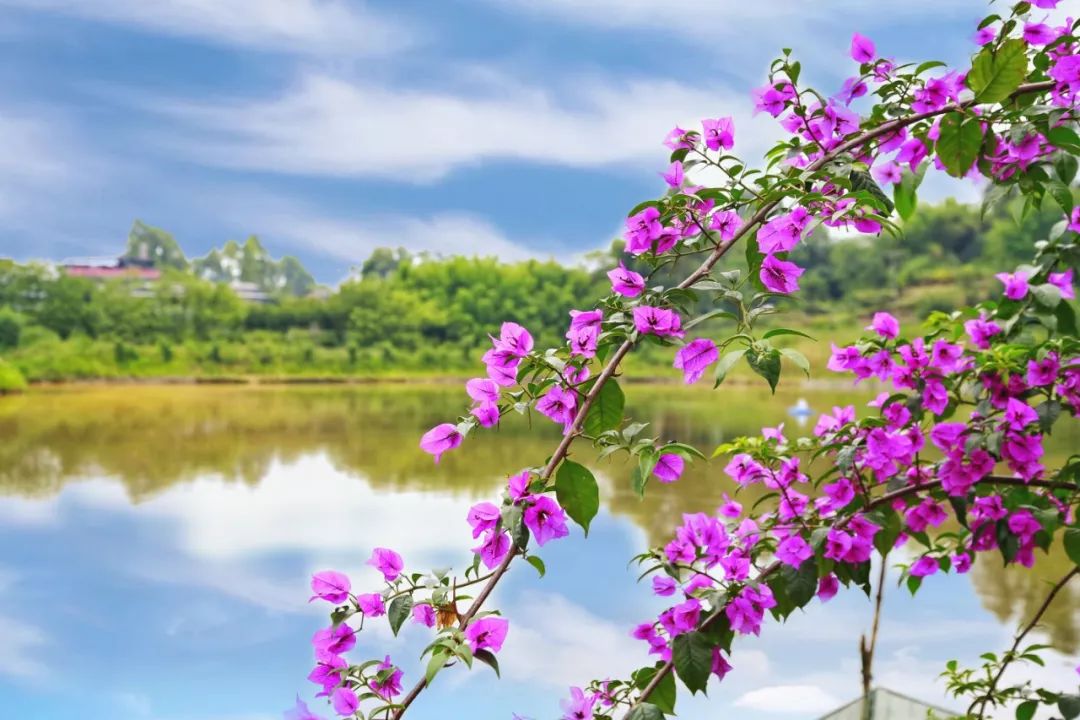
353 239
326 125
777 21
309 506
24 643
562 644
797 699
38 156
305 26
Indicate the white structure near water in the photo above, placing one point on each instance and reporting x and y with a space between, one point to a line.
888 705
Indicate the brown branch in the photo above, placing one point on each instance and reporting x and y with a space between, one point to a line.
866 650
987 697
612 365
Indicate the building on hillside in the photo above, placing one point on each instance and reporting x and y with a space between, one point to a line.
888 705
109 268
115 269
249 292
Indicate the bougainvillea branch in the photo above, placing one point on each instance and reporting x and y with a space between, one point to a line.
859 486
986 698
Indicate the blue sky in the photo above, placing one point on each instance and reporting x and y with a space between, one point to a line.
507 127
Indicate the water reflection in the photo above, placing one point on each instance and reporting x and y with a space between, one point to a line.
246 471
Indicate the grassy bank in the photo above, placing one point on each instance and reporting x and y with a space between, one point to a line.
262 358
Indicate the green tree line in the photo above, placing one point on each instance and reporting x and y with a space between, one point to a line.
426 314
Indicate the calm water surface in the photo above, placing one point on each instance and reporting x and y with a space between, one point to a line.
157 544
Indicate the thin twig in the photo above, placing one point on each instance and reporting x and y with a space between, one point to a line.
1011 655
866 650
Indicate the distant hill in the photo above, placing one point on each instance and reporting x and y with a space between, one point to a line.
250 262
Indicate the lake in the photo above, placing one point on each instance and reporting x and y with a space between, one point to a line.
158 542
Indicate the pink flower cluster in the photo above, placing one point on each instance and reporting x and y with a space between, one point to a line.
541 514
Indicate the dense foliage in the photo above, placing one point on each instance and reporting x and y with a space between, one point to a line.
948 462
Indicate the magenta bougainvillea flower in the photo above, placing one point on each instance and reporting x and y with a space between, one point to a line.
300 711
626 282
674 175
862 49
579 706
391 686
386 561
440 439
487 633
371 604
559 404
783 232
327 672
493 548
331 586
885 325
345 701
333 641
669 467
1063 282
545 520
719 133
1016 284
657 321
780 276
424 614
695 357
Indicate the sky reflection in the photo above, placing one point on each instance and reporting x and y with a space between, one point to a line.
186 599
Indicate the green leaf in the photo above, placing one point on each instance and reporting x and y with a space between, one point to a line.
576 489
995 75
398 612
489 659
723 367
663 696
798 358
1063 137
959 143
861 180
766 364
438 660
645 711
1066 319
537 563
1069 705
514 522
1072 544
1047 295
1048 412
801 584
638 481
1066 166
1026 710
1062 195
905 192
692 654
775 332
606 412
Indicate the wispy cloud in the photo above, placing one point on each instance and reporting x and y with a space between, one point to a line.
325 125
352 239
547 644
304 26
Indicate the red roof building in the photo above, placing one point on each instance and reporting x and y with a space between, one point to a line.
99 272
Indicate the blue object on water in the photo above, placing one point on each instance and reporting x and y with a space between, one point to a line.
801 408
